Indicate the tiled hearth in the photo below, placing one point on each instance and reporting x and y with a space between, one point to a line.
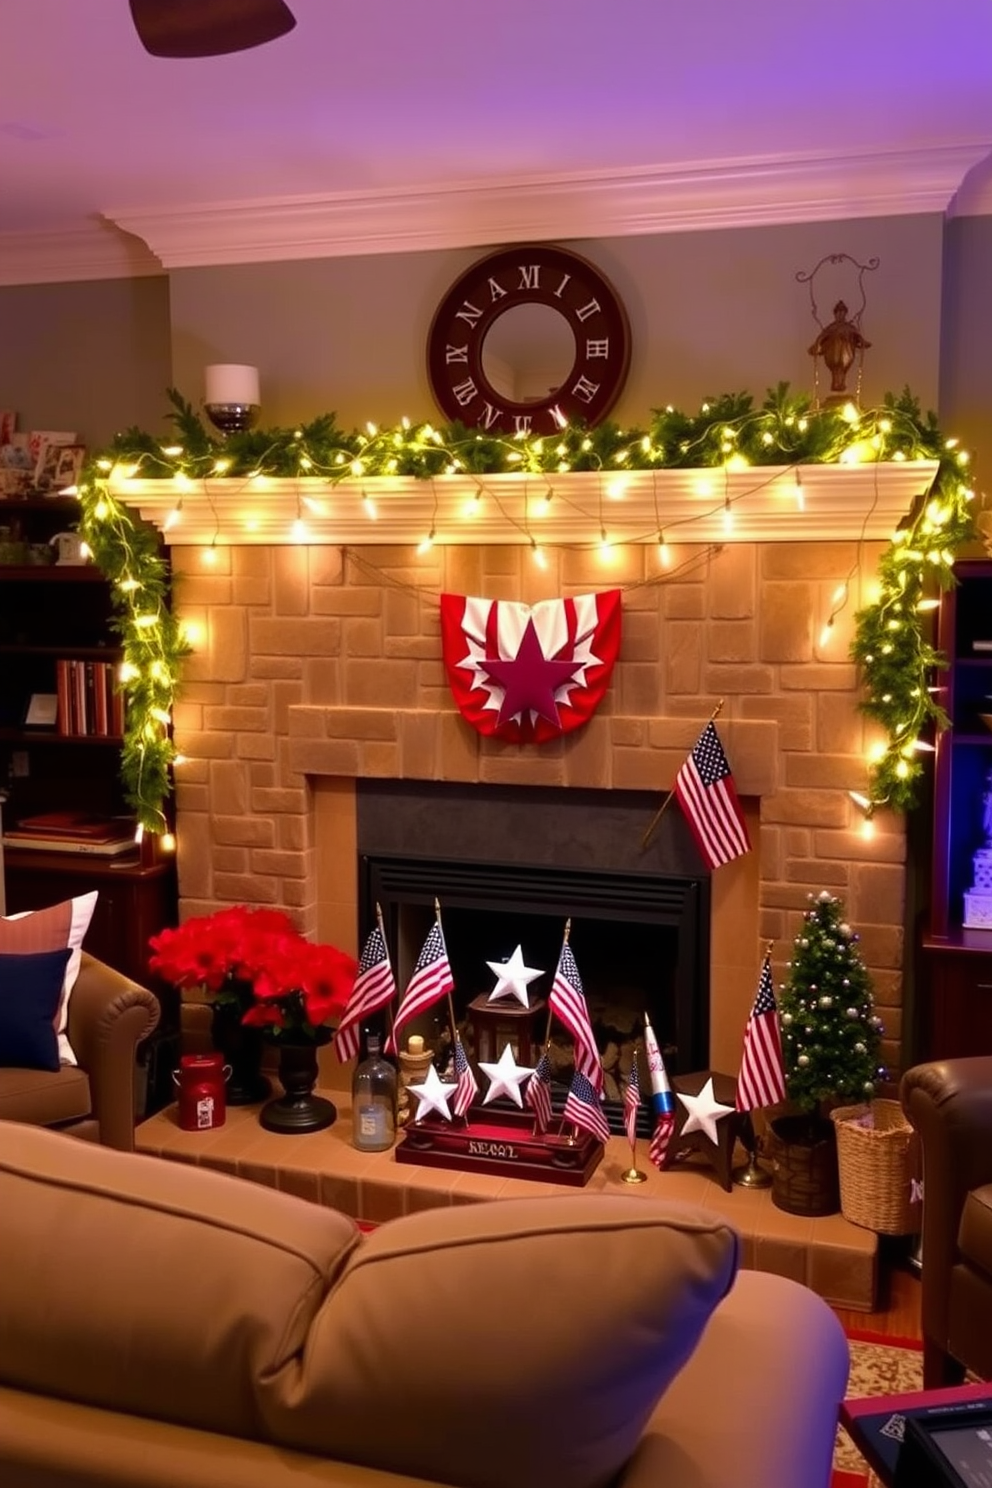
836 1259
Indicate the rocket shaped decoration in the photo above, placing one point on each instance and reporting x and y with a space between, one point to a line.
662 1100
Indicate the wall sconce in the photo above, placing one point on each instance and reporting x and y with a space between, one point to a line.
231 396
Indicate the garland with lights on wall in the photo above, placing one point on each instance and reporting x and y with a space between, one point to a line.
890 643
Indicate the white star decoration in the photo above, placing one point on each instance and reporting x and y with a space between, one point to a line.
432 1095
504 1078
513 977
704 1111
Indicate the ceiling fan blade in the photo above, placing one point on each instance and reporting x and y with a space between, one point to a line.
208 28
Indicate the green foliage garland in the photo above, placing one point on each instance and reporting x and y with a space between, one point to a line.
897 660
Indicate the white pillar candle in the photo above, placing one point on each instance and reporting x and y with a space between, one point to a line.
415 1044
228 382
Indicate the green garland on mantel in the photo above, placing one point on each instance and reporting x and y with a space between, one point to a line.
891 641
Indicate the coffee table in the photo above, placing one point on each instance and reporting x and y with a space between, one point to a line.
876 1423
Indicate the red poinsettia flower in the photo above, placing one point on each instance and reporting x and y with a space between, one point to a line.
258 959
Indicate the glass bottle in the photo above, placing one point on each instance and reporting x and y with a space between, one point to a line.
373 1100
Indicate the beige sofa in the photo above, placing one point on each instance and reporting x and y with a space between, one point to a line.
170 1327
109 1018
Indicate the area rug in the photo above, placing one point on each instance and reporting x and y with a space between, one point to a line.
879 1366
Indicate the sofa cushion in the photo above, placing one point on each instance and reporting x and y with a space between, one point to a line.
151 1287
42 1099
54 928
30 991
517 1341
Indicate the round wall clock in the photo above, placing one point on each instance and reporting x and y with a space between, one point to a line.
567 303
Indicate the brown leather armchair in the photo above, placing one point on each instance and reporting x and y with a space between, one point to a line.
950 1104
109 1017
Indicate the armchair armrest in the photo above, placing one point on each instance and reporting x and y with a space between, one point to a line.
949 1103
109 1016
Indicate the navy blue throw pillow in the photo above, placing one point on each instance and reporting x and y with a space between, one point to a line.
30 990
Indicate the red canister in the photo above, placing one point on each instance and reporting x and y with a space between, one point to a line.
201 1096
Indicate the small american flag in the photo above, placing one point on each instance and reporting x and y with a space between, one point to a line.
431 980
538 1094
374 987
708 797
466 1085
761 1081
584 1108
568 1000
632 1101
662 1100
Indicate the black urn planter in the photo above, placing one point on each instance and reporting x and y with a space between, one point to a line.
805 1178
243 1050
298 1109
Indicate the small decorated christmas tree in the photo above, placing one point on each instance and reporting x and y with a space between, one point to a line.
831 1036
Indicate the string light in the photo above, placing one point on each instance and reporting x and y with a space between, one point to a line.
726 434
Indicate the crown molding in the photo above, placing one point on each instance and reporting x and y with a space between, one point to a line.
839 503
763 191
93 250
716 194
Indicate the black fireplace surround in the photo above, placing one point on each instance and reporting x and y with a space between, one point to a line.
511 865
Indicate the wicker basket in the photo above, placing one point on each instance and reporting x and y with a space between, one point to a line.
878 1158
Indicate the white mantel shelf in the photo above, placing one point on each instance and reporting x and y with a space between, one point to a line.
839 502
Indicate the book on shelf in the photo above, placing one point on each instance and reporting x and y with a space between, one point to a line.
90 703
76 832
86 825
77 846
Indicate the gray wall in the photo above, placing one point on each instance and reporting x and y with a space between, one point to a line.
966 337
93 357
710 312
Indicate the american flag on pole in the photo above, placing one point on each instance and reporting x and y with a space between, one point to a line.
466 1085
708 797
374 987
761 1081
584 1108
431 980
567 999
662 1099
632 1102
538 1094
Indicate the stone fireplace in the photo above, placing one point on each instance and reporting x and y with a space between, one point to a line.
321 673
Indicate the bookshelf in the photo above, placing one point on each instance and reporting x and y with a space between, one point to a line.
61 725
957 954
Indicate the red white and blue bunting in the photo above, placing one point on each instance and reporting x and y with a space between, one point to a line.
529 673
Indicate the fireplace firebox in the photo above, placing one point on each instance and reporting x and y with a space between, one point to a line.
508 867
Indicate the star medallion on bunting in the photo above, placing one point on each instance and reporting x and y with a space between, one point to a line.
513 978
529 673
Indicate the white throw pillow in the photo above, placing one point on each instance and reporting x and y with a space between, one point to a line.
56 928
